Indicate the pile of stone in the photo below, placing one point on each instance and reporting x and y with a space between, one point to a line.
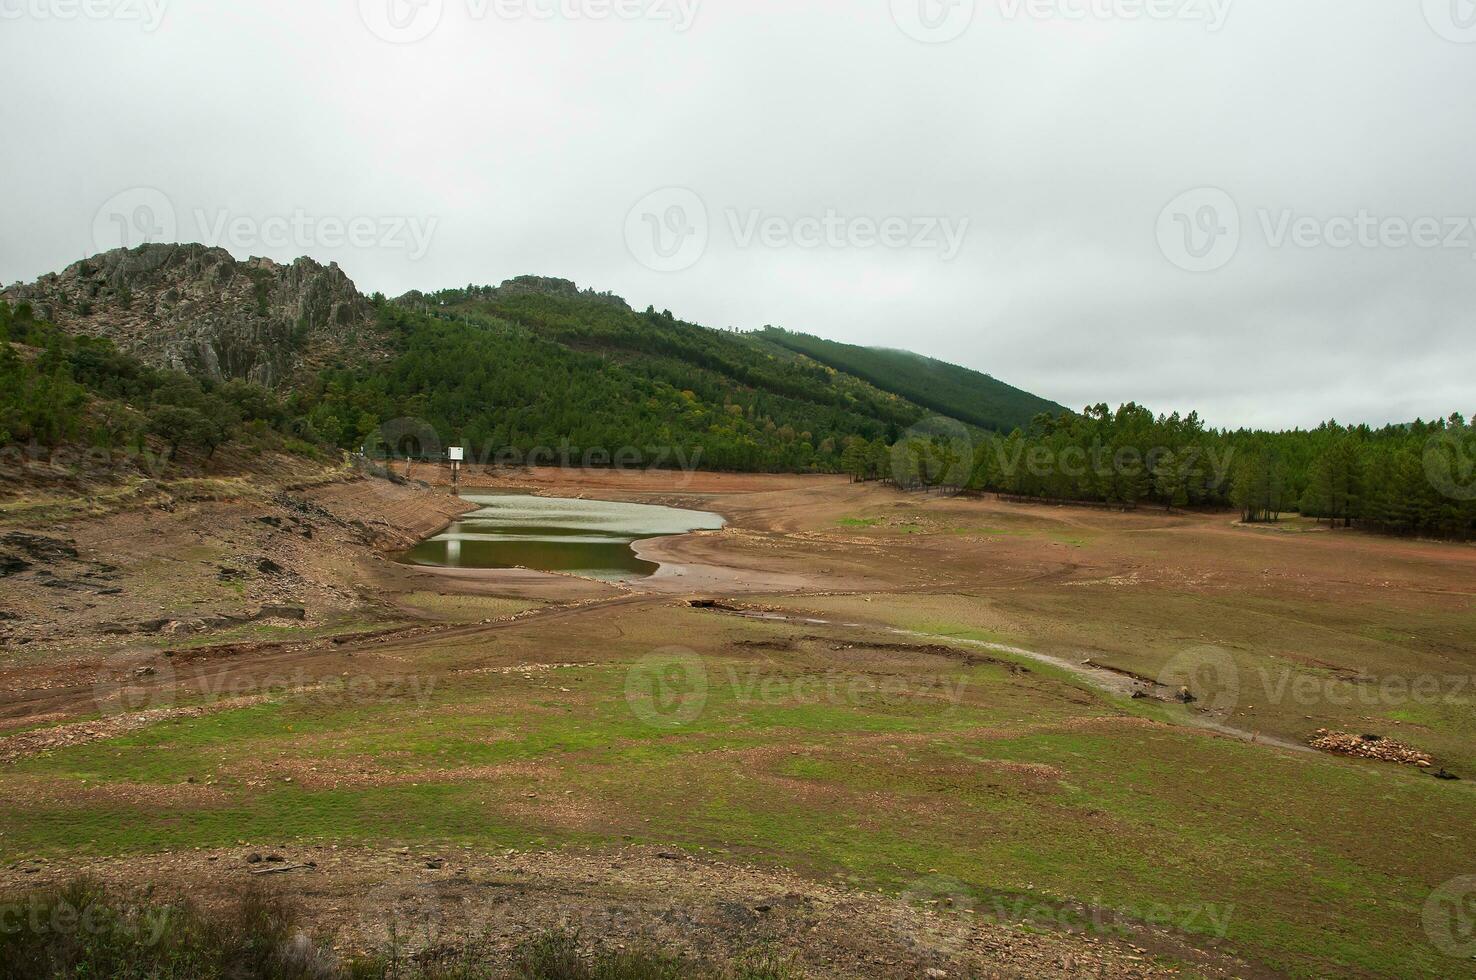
1370 747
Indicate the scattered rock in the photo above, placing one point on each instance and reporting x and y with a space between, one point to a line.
253 858
41 549
1370 747
282 612
11 565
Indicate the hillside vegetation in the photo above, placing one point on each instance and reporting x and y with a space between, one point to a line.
947 389
538 371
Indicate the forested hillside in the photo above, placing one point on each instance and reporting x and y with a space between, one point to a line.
538 370
543 374
1418 478
538 364
947 389
64 390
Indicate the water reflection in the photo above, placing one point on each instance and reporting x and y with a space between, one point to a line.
580 537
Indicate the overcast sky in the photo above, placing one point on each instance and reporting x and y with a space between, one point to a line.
1261 209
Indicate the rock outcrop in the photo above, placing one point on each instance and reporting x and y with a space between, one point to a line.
518 286
198 309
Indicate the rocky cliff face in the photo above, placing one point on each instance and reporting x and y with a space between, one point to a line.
198 309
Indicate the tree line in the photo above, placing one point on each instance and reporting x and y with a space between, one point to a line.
526 374
61 389
1416 478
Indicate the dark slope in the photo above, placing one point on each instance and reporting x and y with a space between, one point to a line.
947 389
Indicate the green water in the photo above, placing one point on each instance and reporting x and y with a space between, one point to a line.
591 538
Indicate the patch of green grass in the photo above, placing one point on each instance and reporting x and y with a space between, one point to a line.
1025 784
276 632
859 521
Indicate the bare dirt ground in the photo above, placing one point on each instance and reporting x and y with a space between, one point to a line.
143 616
700 907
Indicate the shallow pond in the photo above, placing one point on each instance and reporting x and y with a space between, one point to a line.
592 538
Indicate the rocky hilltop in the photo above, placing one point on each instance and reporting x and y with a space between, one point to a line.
512 288
198 309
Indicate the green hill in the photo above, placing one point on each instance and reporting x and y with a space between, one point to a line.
947 389
535 365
